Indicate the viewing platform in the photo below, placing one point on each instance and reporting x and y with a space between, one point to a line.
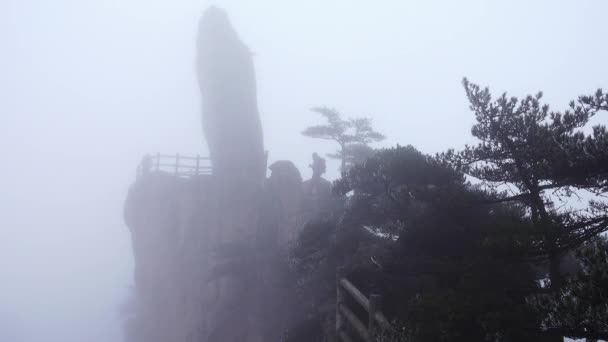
176 165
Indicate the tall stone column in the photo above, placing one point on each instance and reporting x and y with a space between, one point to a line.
233 131
230 117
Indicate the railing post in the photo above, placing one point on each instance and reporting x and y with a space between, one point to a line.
375 302
157 161
176 163
339 300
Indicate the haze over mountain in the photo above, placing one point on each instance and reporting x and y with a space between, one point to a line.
88 87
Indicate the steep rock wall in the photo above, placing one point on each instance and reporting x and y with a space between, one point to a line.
198 242
165 215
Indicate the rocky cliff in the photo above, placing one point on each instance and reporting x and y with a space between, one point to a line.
193 237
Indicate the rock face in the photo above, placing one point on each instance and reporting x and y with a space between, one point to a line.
230 117
171 301
207 272
208 248
188 286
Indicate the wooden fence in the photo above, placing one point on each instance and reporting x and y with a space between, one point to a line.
177 165
347 320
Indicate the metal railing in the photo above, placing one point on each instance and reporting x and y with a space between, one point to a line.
346 318
177 165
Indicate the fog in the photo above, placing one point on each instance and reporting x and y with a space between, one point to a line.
88 87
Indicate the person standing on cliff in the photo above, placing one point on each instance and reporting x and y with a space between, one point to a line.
317 190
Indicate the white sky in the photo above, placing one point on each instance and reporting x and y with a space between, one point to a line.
87 87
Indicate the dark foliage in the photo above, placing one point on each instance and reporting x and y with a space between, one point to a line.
411 231
541 159
461 262
580 307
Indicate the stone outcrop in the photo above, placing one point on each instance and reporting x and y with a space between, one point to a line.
230 117
180 227
207 247
164 214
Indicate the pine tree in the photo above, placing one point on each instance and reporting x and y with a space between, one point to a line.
353 136
541 159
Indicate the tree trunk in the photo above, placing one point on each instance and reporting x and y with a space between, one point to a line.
343 157
541 218
554 270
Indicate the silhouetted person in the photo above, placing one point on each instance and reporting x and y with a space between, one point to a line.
317 190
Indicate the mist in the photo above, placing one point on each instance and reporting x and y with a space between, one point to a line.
89 87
